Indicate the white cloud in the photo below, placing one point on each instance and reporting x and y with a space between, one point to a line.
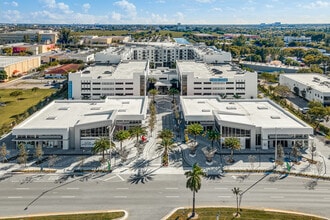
205 1
64 7
160 1
116 16
128 7
11 16
86 7
179 16
13 3
316 4
216 9
269 6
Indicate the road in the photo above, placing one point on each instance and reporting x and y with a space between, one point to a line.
153 195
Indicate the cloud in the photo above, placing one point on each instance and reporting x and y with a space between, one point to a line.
160 1
179 16
13 3
269 6
86 7
316 4
217 9
116 16
205 1
11 15
128 7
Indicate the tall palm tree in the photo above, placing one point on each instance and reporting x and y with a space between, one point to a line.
232 143
122 135
237 192
195 129
166 133
173 92
137 131
152 82
101 145
213 135
153 93
194 182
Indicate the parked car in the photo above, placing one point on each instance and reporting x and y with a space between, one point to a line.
304 110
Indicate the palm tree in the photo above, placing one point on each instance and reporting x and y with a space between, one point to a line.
101 145
232 143
122 135
195 129
166 133
237 192
194 182
153 93
213 135
137 131
166 143
152 82
173 92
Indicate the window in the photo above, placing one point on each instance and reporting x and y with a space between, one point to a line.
129 83
197 83
207 83
119 83
119 88
128 88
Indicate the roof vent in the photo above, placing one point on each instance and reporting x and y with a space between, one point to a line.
206 110
51 118
201 102
260 107
125 102
122 110
95 108
63 108
275 117
231 108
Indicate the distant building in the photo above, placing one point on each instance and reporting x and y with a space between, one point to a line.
61 71
225 80
113 55
312 87
46 36
17 65
302 39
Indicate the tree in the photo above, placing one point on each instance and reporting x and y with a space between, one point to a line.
237 193
3 75
22 154
101 145
232 143
166 133
213 135
38 152
317 112
152 82
295 151
194 182
153 93
64 36
166 143
173 92
16 93
38 38
137 131
282 91
4 152
52 160
122 135
35 89
195 129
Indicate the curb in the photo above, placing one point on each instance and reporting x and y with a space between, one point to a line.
69 213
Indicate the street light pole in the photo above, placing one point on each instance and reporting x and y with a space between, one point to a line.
275 145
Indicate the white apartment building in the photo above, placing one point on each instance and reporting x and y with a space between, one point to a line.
310 86
76 124
302 39
258 123
226 80
97 82
212 55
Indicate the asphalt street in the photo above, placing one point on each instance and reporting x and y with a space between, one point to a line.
147 195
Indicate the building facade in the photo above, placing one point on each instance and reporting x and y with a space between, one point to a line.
73 124
256 123
225 80
18 65
312 87
97 82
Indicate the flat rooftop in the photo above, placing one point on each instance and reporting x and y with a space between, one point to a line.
124 70
203 70
316 81
62 114
6 60
260 113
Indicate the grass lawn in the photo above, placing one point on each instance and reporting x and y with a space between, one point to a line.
18 105
246 214
86 216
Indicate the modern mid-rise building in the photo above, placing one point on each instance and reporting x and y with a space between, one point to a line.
310 86
46 36
258 123
226 80
99 81
76 124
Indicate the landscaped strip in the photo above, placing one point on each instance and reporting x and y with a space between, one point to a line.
77 216
228 213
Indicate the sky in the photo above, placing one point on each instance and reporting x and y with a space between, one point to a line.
164 11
